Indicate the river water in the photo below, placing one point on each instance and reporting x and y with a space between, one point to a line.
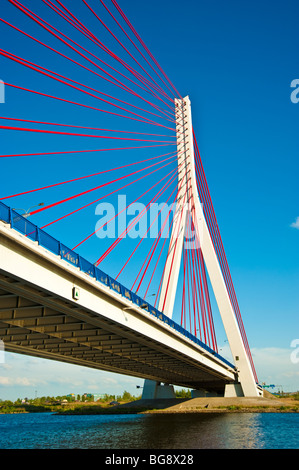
153 431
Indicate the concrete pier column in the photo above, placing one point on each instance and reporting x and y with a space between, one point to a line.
155 390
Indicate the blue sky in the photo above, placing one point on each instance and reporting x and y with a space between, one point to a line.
236 61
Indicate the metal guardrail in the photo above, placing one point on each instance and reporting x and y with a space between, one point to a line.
34 233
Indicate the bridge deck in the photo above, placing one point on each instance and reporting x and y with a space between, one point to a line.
106 328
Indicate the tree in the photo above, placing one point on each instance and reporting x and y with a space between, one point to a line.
127 396
183 393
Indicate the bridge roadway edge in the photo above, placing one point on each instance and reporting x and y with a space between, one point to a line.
32 253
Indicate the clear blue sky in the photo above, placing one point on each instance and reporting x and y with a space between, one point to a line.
236 61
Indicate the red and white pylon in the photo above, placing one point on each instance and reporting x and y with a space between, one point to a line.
189 202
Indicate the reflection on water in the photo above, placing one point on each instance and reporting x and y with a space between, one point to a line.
157 431
201 431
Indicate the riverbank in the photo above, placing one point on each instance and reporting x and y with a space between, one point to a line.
195 405
268 404
235 405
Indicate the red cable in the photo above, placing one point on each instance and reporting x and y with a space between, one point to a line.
93 39
22 62
208 309
42 131
81 151
188 291
226 271
203 311
214 228
119 42
162 277
144 46
207 214
195 285
66 57
22 8
147 121
199 282
75 62
195 300
161 251
208 302
183 309
135 47
36 67
192 276
99 199
167 286
154 270
88 176
133 223
139 243
221 254
199 294
81 127
97 187
153 249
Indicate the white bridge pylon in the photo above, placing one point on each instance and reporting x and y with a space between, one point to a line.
188 202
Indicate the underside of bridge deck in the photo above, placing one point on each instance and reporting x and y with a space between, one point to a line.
33 322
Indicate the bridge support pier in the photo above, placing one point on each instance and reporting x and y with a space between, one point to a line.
233 390
154 390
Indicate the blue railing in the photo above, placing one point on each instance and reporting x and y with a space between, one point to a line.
24 226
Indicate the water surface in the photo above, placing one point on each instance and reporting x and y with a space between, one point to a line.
155 431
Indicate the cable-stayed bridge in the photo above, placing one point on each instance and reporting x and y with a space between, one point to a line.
57 303
53 309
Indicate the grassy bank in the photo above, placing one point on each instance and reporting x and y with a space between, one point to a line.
69 408
100 410
10 409
211 405
271 404
82 404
